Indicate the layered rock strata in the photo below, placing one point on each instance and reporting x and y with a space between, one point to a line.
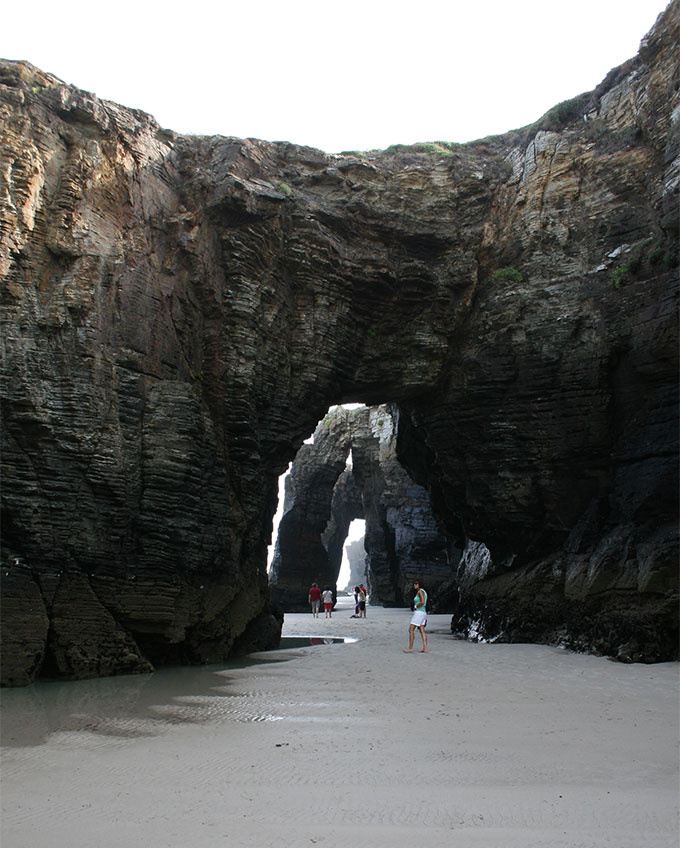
307 528
179 312
402 540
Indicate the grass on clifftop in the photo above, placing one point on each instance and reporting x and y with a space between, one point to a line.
441 148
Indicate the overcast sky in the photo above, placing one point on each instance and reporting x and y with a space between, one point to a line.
347 75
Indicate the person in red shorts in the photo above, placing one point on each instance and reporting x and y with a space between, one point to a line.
328 601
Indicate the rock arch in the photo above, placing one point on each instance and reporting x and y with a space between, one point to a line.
179 312
402 539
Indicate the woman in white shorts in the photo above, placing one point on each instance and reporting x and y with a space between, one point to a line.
419 618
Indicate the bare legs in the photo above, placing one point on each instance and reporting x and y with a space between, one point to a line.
411 637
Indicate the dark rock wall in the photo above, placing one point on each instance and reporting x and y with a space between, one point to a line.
403 540
346 505
301 554
569 476
179 312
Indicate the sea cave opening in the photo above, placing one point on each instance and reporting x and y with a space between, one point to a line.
350 513
319 522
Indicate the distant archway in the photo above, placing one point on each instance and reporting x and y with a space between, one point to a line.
353 565
348 472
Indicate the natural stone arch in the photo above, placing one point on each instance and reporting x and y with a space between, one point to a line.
346 506
402 539
301 555
179 312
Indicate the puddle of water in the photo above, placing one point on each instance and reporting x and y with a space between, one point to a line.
125 706
130 706
306 641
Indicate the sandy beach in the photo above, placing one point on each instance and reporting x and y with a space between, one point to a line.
519 746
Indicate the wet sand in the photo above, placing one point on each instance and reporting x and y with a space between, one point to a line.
519 746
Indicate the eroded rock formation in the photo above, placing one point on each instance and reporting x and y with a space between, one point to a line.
323 496
356 556
179 312
403 540
308 526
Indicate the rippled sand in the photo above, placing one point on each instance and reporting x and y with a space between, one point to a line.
515 746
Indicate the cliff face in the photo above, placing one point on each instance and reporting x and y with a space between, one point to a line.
402 539
179 312
313 519
569 476
356 555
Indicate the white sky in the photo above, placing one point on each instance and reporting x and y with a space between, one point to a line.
350 75
357 530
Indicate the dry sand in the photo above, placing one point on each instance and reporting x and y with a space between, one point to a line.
350 744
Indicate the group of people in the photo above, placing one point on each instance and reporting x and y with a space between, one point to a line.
359 602
315 598
418 619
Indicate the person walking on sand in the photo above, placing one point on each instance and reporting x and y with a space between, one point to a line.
419 618
362 601
356 603
314 599
328 602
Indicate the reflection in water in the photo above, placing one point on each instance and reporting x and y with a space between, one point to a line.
127 706
132 706
305 641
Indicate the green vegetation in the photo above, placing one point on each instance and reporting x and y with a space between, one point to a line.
440 148
655 255
619 275
565 112
635 263
507 275
643 259
608 141
370 332
284 188
649 253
